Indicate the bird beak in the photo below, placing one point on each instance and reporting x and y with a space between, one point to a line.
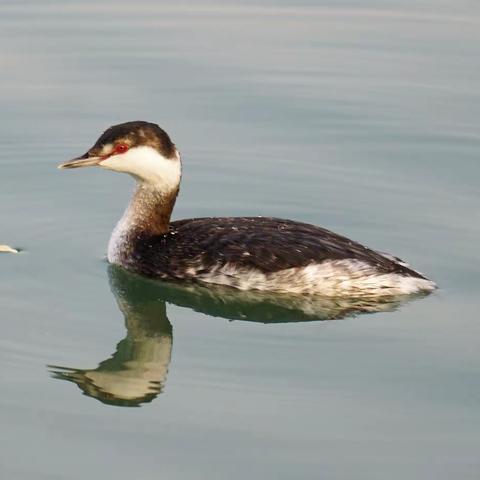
83 161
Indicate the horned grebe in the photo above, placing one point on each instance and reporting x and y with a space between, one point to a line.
260 253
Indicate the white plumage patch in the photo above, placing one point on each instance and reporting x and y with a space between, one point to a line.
330 278
147 165
118 238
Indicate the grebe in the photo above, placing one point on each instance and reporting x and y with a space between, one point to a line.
260 253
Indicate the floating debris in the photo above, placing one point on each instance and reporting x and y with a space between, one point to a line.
7 249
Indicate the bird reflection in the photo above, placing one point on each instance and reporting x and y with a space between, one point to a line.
137 371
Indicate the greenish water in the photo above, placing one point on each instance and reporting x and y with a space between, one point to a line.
361 116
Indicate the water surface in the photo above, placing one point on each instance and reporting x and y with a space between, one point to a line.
361 116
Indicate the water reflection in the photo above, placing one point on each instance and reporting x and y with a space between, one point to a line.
137 371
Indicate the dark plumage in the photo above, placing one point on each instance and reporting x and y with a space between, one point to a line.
135 134
263 243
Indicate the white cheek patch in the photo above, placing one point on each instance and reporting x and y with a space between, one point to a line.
148 165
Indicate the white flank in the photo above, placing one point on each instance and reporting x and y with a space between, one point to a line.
331 278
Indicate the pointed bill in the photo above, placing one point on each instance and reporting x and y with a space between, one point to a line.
83 161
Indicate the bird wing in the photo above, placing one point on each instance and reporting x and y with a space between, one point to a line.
265 243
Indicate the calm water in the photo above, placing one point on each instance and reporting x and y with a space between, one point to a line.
359 115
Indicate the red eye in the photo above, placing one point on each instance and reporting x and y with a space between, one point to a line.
121 148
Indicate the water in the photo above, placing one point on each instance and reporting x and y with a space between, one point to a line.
358 115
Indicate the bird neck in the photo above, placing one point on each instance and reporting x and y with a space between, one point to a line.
147 214
150 209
